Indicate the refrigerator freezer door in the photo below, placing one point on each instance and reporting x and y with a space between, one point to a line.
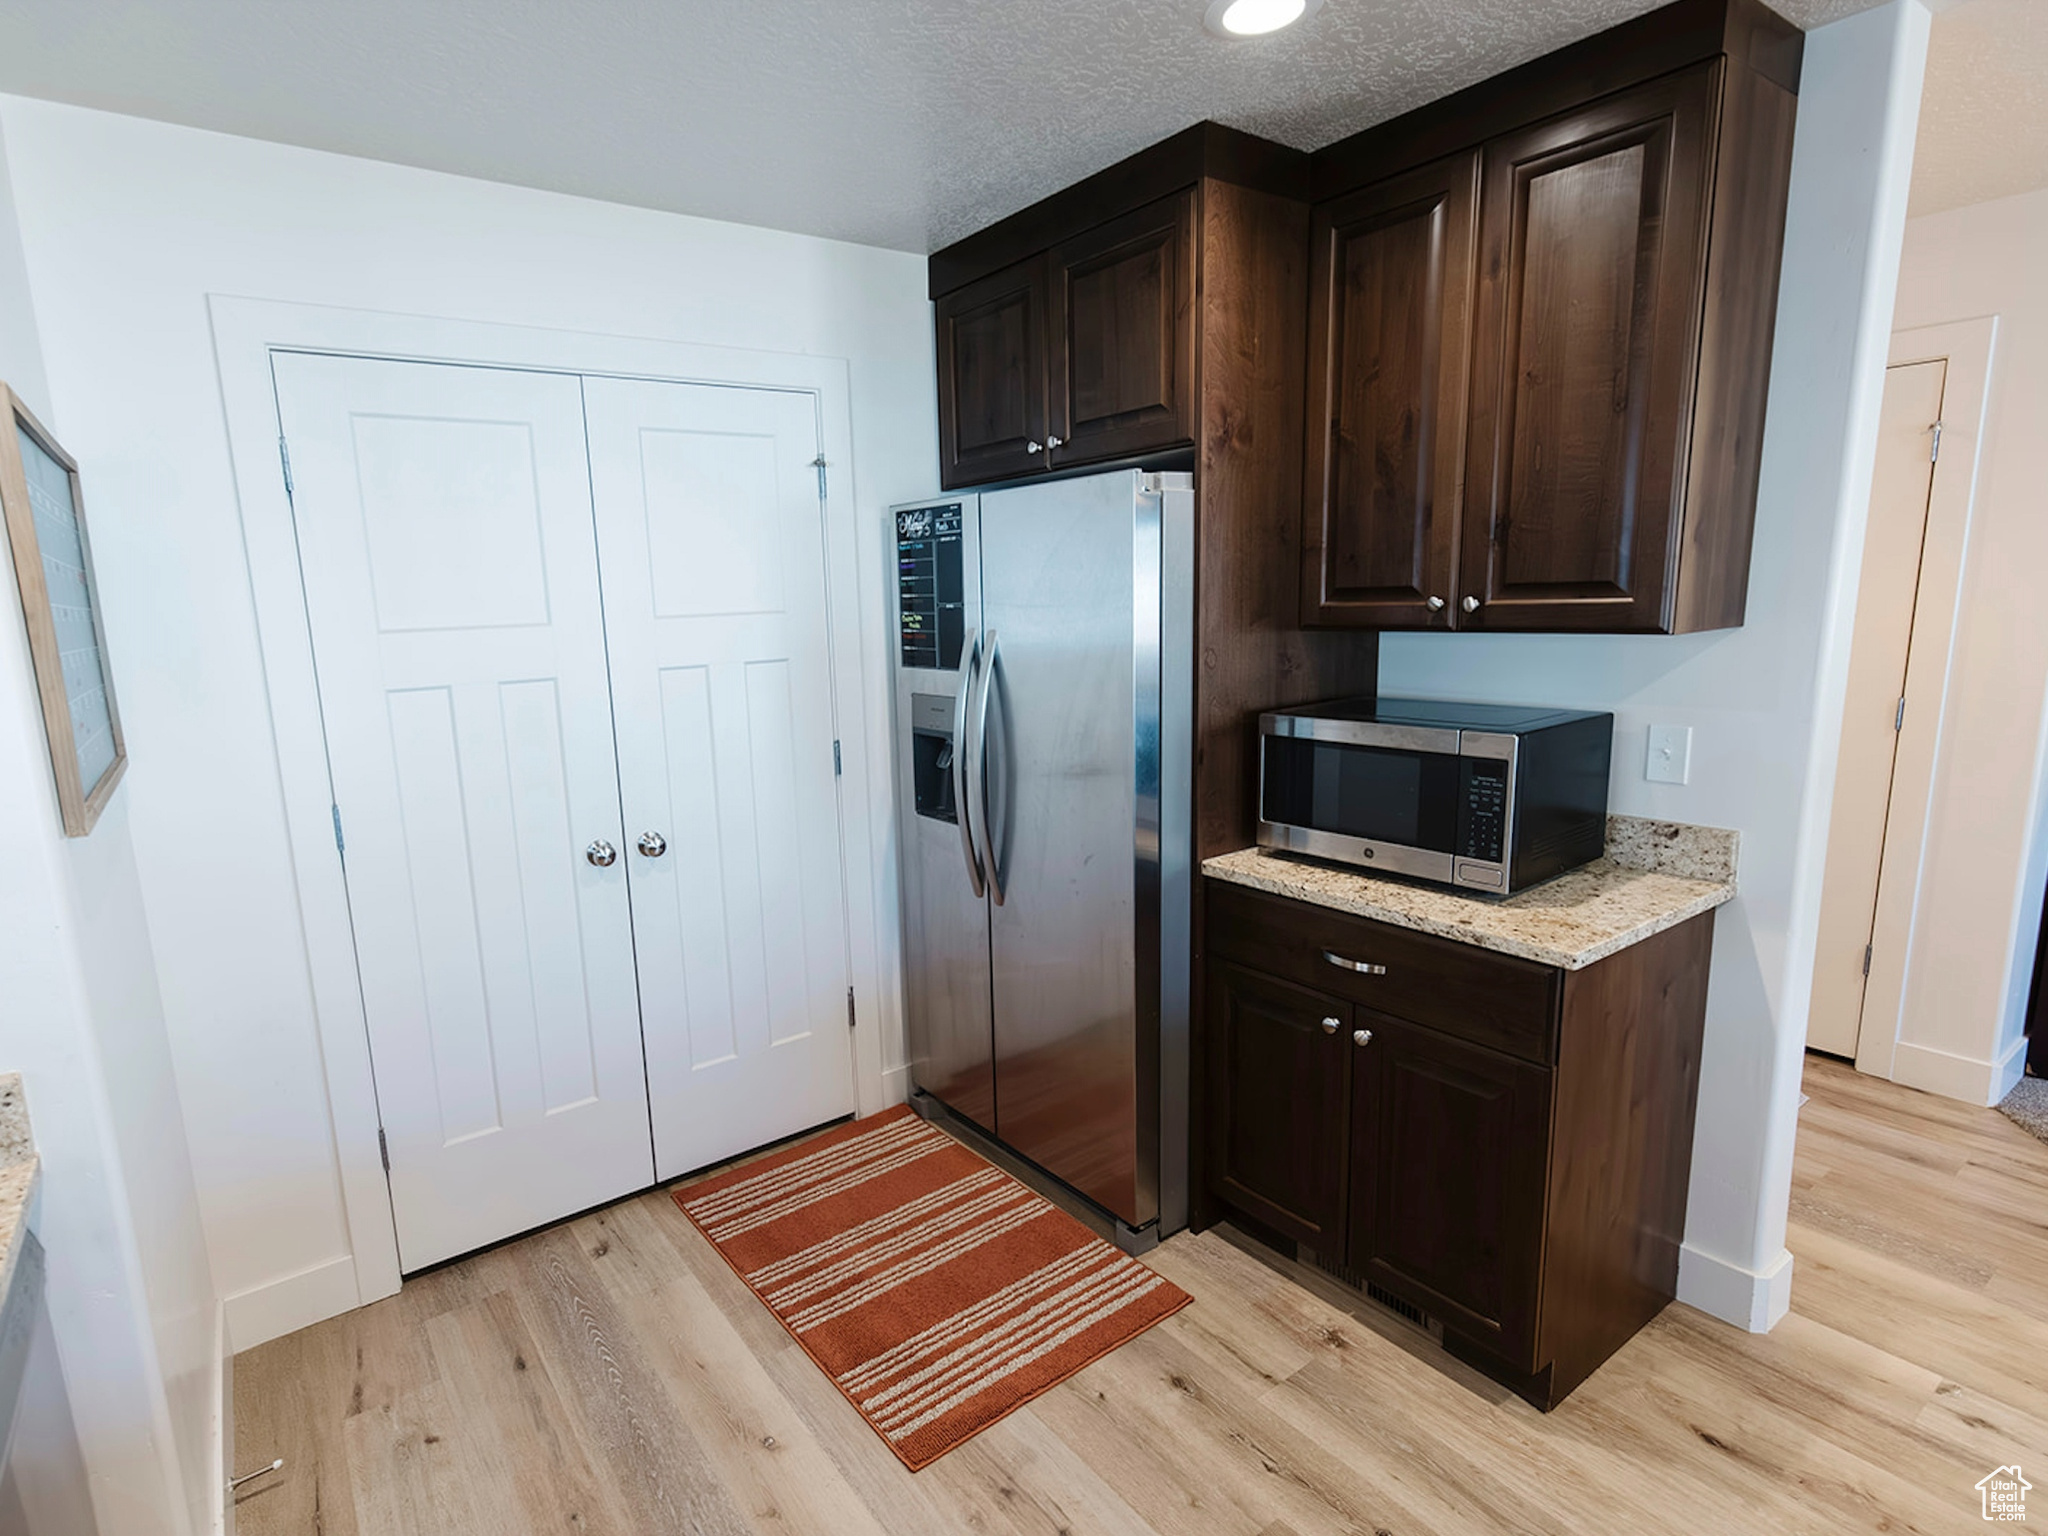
1070 575
945 915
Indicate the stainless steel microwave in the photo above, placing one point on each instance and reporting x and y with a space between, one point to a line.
1489 797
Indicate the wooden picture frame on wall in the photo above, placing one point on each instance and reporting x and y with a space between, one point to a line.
44 513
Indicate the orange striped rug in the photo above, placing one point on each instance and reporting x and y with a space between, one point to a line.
936 1291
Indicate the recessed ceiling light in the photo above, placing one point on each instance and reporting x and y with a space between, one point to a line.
1255 18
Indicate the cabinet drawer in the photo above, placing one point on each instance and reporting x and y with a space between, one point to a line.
1471 993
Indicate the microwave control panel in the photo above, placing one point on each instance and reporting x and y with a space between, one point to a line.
1482 809
930 595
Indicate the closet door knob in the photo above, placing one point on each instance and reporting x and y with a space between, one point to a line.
601 853
653 844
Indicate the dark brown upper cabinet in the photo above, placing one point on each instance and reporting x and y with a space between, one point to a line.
1131 277
1593 243
1588 458
1170 295
992 376
1077 355
1390 311
1123 336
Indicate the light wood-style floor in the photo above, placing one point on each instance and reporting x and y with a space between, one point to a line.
611 1375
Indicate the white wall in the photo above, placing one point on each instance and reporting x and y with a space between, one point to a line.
1764 701
1985 855
131 1301
128 227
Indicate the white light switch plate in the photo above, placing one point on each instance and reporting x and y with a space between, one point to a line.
1670 759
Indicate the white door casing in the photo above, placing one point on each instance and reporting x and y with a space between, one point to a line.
1874 709
445 535
713 550
1964 352
1968 351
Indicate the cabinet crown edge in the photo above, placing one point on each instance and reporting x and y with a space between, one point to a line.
1205 151
1660 42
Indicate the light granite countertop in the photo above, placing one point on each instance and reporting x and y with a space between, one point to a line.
1655 875
20 1172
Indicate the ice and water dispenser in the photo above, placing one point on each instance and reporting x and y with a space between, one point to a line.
931 615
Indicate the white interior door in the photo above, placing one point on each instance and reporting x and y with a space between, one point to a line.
445 535
711 532
1886 597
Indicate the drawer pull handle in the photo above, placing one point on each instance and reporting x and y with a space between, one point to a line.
1363 967
1331 1026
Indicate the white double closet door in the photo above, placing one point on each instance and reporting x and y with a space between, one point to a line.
574 667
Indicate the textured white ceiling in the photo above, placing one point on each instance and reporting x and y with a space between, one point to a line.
902 123
1984 109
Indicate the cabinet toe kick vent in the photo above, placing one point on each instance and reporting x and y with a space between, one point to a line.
1404 1309
1407 1311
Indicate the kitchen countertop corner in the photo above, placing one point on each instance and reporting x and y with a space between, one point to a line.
20 1174
1654 875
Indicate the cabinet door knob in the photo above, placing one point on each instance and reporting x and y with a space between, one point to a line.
1436 605
1052 441
653 844
1470 605
1034 446
1362 1036
600 853
1331 1026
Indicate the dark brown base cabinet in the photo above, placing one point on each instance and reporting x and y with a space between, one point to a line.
1501 1144
1540 337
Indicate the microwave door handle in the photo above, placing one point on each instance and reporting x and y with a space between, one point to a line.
969 657
991 855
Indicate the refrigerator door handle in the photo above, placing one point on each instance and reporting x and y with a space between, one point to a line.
991 856
970 657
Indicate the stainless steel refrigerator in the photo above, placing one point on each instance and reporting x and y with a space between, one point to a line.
1043 758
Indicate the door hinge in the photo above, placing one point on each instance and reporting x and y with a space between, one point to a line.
1866 959
819 465
849 1009
383 1149
284 457
837 766
1934 450
1899 716
340 843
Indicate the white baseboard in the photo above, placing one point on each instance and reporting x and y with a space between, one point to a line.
1751 1299
1959 1077
2008 1071
297 1301
895 1084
